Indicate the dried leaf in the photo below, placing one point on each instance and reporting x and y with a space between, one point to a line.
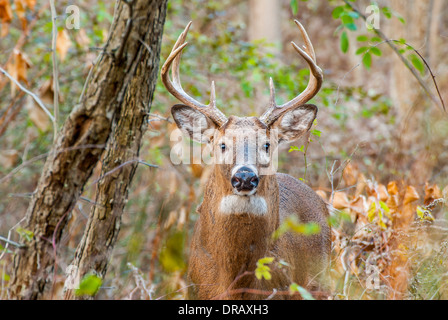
63 43
392 188
432 192
18 68
31 4
411 195
359 204
382 192
361 185
8 158
340 200
37 115
350 175
322 194
5 16
82 39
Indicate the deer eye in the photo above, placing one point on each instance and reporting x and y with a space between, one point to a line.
223 147
266 146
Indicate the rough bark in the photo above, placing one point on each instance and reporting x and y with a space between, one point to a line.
121 158
79 146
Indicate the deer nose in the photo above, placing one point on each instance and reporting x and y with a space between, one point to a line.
244 180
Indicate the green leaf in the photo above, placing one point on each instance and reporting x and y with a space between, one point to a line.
362 38
376 51
337 12
344 42
26 234
90 284
417 63
316 132
367 60
294 7
387 12
294 287
361 50
172 254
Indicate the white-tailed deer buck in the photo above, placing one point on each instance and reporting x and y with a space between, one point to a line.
244 201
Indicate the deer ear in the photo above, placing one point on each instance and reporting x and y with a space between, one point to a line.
193 123
295 122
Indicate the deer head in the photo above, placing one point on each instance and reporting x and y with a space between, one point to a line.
243 147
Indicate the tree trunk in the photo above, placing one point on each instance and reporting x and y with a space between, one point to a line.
81 143
121 159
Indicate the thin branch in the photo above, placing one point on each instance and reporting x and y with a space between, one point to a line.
121 166
403 59
13 243
33 95
55 71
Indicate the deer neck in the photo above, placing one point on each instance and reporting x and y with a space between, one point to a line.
236 230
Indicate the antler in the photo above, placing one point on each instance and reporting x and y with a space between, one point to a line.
175 87
316 79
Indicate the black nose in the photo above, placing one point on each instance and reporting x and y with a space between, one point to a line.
244 180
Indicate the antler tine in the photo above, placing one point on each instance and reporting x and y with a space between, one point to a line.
313 87
175 88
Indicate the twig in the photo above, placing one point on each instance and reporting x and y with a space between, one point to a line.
55 72
33 95
403 59
121 166
13 243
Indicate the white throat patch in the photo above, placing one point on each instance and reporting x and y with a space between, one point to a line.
234 204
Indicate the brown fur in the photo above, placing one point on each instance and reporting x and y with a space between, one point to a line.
225 246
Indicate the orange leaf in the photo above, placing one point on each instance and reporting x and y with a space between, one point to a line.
18 68
384 195
63 44
340 200
411 195
322 194
31 4
392 188
5 16
350 175
432 192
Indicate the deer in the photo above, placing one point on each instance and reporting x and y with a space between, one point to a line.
245 200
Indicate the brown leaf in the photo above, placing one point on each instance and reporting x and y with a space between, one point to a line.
46 92
382 191
411 195
340 200
37 115
359 205
361 185
392 188
31 4
18 68
350 175
63 43
432 192
322 194
5 16
82 39
8 158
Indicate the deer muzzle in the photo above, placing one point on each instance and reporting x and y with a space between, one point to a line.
244 180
